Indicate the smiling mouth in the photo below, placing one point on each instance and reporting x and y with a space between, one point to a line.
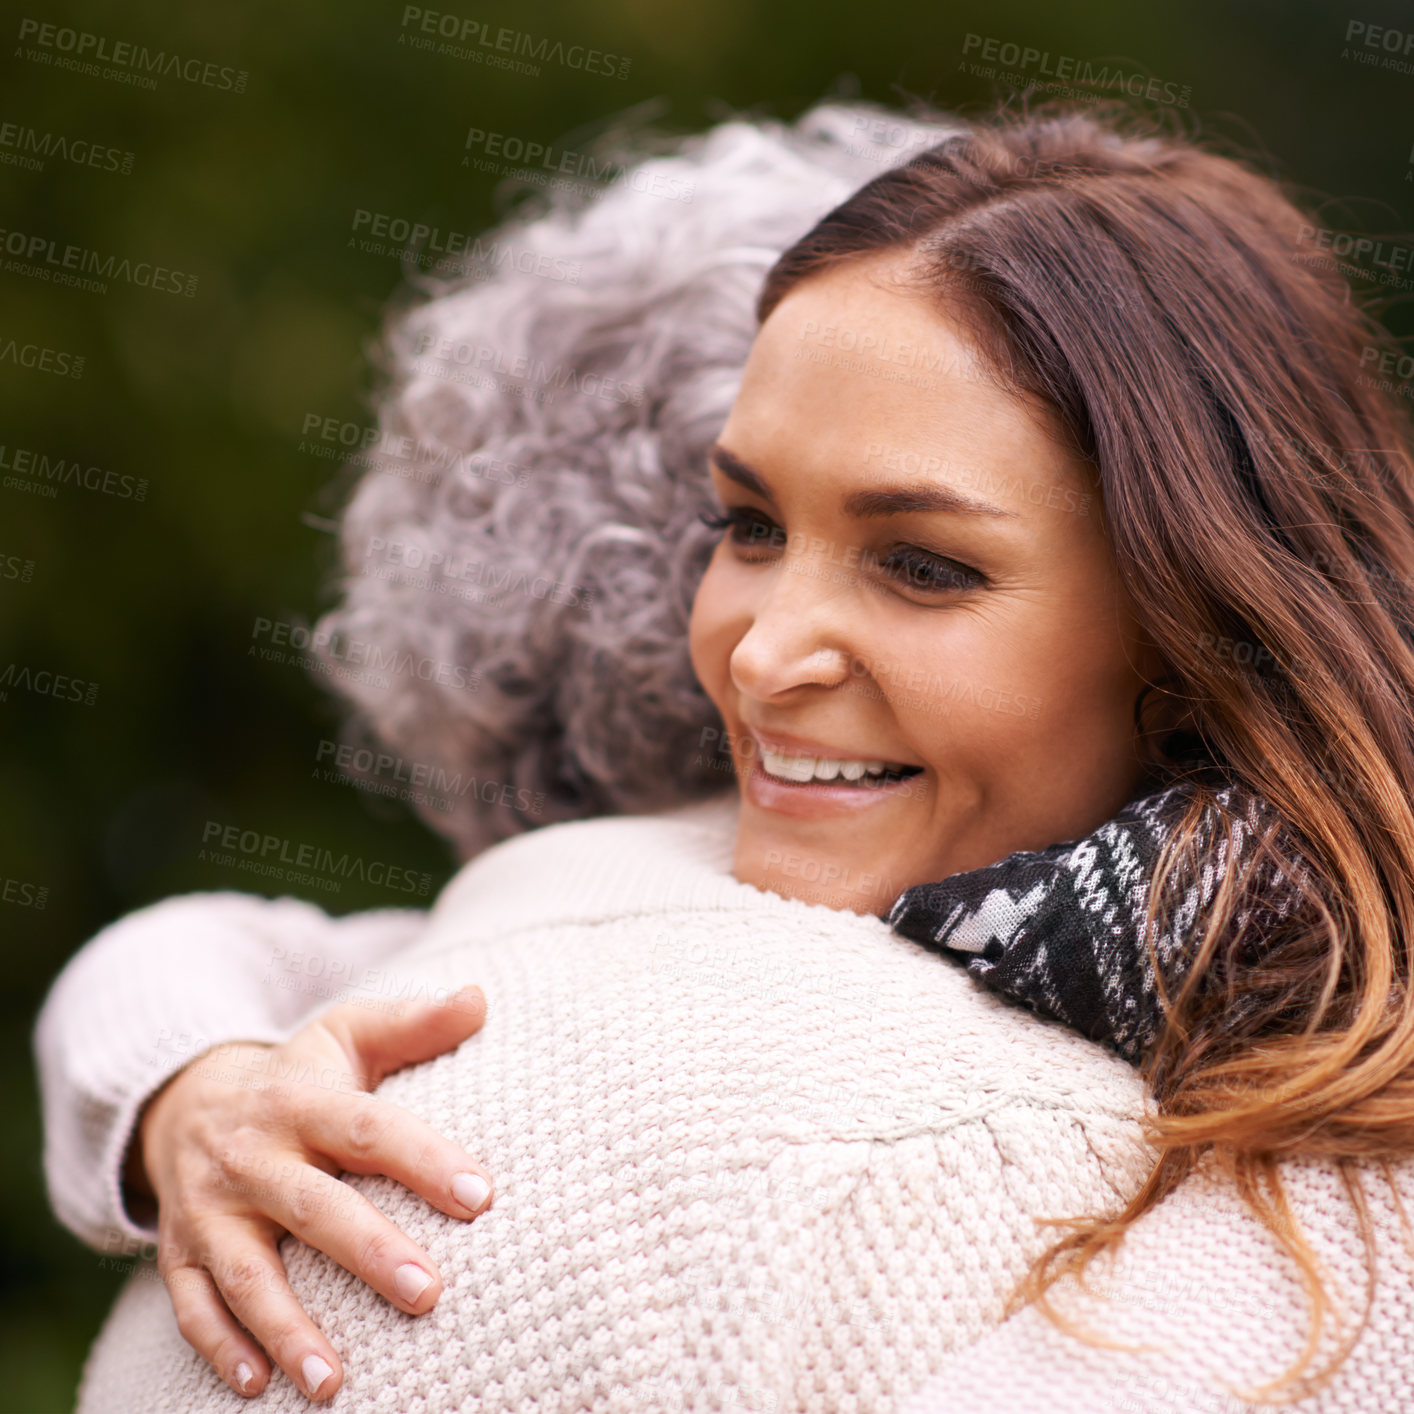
808 770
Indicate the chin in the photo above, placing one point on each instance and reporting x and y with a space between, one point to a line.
798 870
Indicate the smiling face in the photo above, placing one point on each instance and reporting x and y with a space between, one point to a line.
914 576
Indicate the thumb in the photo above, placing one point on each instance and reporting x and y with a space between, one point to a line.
379 1042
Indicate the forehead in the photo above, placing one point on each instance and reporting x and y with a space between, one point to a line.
856 373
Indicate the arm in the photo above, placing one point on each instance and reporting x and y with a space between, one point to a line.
151 992
1215 1307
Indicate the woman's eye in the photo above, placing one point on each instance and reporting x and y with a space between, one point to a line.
920 570
749 527
904 564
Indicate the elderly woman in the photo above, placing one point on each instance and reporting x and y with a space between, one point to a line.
1060 616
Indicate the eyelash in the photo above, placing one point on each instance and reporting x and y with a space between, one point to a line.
904 562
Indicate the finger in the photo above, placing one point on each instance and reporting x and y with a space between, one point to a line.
250 1276
380 1042
364 1134
342 1223
209 1328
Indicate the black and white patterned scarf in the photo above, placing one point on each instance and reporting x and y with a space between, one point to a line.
1060 930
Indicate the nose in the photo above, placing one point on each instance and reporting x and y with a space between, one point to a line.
799 631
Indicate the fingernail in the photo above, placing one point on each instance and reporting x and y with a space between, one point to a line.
411 1281
244 1375
470 1190
315 1371
466 999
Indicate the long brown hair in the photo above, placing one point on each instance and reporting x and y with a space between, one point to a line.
1168 306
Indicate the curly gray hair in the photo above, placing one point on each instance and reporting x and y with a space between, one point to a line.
543 437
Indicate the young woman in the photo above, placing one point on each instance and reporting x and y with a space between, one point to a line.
1061 615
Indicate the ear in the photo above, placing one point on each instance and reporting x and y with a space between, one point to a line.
1166 724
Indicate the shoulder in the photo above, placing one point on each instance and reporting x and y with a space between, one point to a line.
582 869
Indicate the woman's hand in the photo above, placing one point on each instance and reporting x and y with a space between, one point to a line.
242 1146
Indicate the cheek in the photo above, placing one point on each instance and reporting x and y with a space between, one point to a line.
709 634
996 699
966 694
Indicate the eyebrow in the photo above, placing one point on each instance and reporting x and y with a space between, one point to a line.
863 505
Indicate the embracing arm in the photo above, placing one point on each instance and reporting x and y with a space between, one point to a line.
155 989
1216 1309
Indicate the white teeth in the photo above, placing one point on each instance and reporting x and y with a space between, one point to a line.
797 768
801 769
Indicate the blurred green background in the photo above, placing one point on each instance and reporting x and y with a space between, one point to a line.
204 397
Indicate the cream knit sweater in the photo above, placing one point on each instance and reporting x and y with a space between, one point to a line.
749 1153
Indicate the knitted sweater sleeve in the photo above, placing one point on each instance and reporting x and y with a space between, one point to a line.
1211 1309
155 990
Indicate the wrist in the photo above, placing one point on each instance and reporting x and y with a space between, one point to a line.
143 1156
135 1188
136 1178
